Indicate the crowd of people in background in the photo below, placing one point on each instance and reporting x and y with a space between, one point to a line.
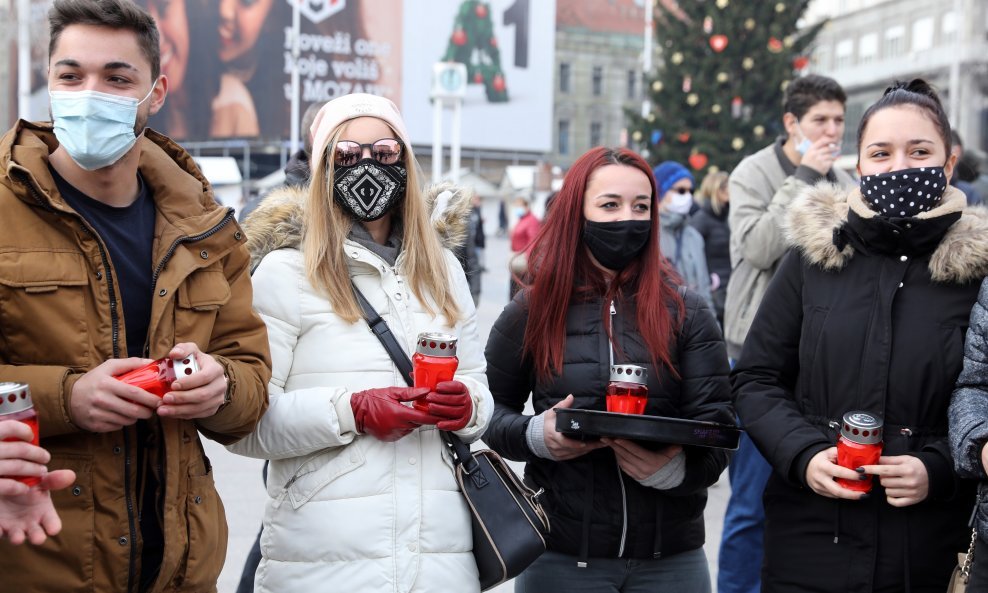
779 297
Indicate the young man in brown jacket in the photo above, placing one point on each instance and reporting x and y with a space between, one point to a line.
115 253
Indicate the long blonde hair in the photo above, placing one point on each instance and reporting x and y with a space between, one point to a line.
708 191
327 226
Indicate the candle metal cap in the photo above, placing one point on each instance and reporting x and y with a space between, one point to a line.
863 428
436 344
14 397
629 373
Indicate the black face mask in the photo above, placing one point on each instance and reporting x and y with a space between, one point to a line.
368 190
904 193
616 244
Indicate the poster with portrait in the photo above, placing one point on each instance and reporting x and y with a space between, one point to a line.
507 47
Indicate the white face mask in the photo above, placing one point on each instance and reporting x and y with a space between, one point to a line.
680 203
804 146
95 128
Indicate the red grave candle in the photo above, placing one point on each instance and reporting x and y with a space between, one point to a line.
434 361
16 404
627 392
860 443
157 377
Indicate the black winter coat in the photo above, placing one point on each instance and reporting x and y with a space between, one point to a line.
716 240
867 314
590 491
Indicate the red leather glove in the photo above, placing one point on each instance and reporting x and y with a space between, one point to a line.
451 400
380 413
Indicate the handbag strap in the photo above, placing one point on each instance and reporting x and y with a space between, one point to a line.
459 449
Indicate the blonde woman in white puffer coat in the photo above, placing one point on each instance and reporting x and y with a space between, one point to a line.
362 495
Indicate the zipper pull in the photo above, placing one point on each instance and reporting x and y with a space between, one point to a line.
613 309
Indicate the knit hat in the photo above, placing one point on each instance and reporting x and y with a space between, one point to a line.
668 173
347 107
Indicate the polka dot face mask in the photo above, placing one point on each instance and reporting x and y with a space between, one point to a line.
905 193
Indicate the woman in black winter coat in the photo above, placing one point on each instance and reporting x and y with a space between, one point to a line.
600 294
711 221
969 430
868 312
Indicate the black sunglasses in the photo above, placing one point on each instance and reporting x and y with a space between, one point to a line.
681 190
386 151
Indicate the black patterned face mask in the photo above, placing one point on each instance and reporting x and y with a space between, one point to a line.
905 193
368 190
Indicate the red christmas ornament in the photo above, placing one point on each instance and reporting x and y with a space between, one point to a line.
478 78
481 11
800 62
698 161
774 45
498 83
683 137
493 41
718 42
459 37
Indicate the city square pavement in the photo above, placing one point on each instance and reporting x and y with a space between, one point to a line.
238 479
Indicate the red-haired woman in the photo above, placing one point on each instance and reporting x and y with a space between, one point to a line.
600 293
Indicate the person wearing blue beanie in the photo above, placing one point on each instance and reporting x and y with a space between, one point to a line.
668 173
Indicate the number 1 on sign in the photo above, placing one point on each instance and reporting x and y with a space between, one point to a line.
517 15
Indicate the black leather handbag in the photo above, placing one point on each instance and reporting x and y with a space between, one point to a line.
509 525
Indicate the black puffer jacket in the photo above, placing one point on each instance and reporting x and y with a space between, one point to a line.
867 314
589 500
716 240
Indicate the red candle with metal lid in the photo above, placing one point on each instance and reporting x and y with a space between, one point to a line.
860 443
434 361
627 391
16 404
157 377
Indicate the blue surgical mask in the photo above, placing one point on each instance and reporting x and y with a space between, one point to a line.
95 128
804 146
520 211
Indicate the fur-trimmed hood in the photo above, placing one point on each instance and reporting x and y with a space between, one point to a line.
816 217
277 222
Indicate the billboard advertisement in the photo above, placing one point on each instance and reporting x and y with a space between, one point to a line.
229 63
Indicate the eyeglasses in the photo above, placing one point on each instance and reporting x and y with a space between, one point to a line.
386 151
681 190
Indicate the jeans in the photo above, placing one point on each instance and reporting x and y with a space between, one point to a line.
740 563
554 572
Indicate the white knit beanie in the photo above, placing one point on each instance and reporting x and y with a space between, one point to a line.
348 107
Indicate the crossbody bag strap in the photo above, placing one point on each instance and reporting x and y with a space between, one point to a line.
459 449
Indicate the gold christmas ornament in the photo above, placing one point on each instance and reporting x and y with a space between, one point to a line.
747 63
759 131
657 86
650 117
780 7
722 77
713 169
789 40
722 4
677 58
782 87
715 108
636 136
749 24
692 99
737 143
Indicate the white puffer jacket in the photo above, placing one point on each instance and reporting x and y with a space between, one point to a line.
348 512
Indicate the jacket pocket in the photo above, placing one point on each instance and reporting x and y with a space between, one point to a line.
43 301
320 470
207 531
198 301
71 553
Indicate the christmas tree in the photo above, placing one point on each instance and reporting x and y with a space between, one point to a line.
473 44
717 95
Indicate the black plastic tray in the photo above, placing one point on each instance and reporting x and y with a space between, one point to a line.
648 430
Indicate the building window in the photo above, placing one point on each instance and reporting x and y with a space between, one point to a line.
632 84
868 48
595 134
844 54
597 81
894 43
948 28
923 34
562 137
563 77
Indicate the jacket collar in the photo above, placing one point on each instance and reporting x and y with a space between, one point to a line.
182 195
954 235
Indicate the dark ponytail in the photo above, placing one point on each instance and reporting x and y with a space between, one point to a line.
916 92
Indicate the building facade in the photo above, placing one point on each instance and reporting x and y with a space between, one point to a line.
868 44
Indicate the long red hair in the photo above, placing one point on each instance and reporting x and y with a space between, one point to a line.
560 270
